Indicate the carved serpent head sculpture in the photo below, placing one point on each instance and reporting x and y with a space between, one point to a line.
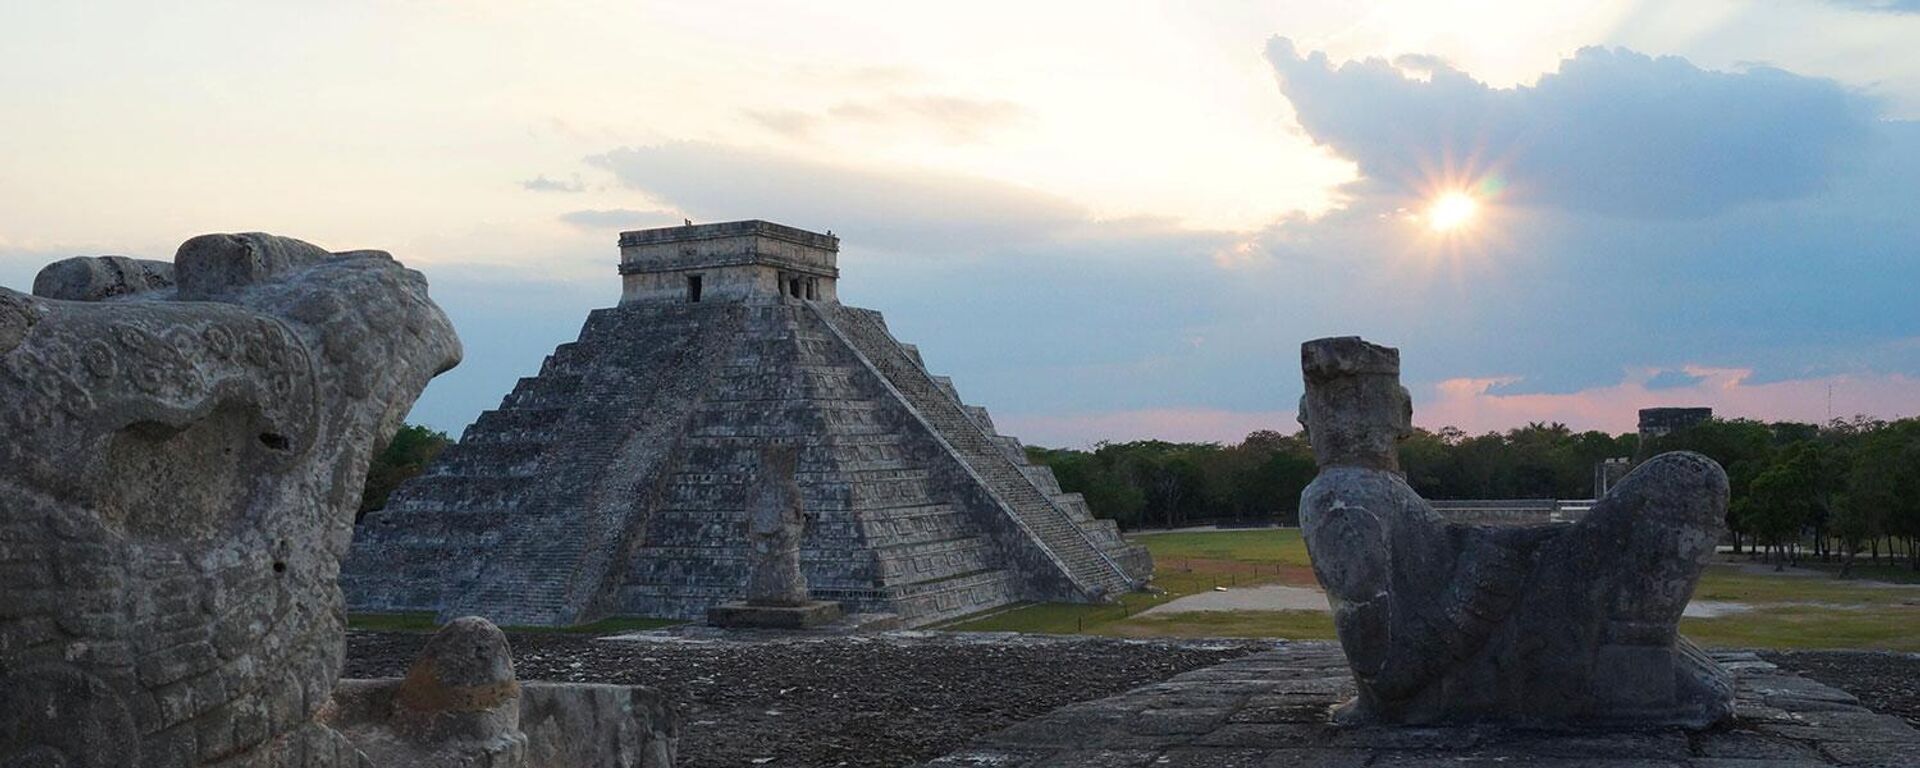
182 448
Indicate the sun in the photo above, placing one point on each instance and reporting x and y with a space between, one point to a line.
1452 211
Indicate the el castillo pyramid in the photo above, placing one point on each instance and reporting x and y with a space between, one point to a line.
613 482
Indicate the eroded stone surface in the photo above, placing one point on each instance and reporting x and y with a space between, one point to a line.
1444 621
177 486
92 278
462 687
774 525
1276 709
461 706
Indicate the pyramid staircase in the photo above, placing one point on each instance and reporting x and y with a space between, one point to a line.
1074 540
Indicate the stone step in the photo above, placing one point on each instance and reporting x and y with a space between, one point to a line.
978 447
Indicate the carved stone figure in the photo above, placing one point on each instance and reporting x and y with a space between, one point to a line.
776 589
775 523
1549 624
181 452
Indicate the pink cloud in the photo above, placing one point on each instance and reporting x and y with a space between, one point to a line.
1469 404
1472 405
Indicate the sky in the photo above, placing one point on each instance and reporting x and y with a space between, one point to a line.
1104 220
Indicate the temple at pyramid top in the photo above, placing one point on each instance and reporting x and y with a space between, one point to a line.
750 261
616 480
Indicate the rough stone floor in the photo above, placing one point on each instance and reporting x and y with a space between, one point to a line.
772 700
1270 710
797 699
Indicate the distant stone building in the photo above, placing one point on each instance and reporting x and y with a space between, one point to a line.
1656 423
1659 422
614 482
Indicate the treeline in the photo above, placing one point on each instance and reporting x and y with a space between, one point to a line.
1152 483
1830 491
409 452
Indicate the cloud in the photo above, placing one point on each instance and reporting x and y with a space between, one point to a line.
1612 132
1805 277
790 123
893 208
1038 308
618 219
1672 379
950 119
1074 329
958 119
1471 405
543 184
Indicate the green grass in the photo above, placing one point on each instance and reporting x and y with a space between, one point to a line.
1893 573
1184 563
425 622
1790 611
1263 546
1732 582
1800 626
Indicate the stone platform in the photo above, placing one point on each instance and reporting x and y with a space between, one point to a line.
1270 710
745 615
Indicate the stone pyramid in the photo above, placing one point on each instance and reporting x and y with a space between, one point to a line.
613 482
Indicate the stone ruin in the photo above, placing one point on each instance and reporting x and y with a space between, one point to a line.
182 449
1554 624
776 587
460 706
616 481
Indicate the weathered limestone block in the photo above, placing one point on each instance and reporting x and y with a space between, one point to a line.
1551 624
460 706
179 468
